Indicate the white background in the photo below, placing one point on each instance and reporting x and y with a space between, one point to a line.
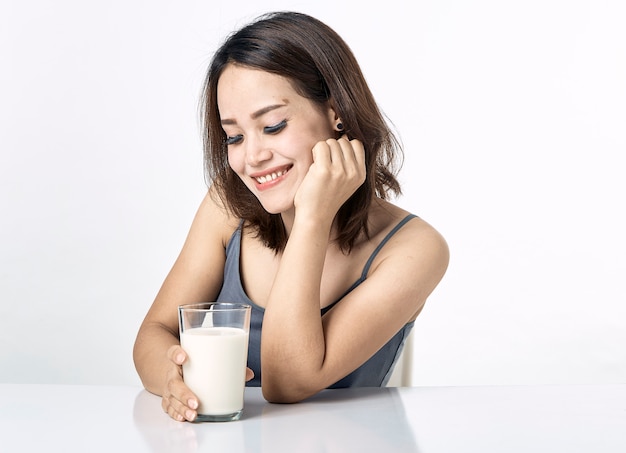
513 118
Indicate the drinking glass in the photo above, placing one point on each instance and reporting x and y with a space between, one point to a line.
215 337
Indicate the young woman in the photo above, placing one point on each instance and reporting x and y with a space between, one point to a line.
297 222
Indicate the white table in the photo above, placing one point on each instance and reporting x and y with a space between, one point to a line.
568 419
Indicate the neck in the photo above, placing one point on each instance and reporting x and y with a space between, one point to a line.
288 219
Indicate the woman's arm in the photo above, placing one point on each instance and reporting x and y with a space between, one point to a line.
195 277
303 353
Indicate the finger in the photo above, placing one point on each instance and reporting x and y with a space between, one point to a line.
351 149
330 152
186 401
178 400
321 153
249 374
177 354
336 150
358 151
173 409
353 158
179 410
345 148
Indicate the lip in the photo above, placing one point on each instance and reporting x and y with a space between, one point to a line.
284 169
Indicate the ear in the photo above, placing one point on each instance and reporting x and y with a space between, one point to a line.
333 117
332 111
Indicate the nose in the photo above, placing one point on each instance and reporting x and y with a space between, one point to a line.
256 151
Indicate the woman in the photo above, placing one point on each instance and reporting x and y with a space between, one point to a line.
296 222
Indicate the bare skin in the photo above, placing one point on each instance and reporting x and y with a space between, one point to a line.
275 130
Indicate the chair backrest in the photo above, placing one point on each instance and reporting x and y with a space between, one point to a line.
402 374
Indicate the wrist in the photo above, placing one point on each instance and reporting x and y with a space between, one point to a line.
312 223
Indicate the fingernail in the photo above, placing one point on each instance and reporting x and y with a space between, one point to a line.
190 415
192 404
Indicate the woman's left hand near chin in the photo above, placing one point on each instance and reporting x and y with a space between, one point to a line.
337 171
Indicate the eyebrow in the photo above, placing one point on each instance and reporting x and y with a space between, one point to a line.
256 114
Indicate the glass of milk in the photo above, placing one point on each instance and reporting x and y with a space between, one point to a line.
215 337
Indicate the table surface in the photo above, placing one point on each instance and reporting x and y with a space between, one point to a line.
72 418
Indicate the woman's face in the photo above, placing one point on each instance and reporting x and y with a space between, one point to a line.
271 131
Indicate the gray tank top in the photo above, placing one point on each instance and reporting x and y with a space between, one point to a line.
373 373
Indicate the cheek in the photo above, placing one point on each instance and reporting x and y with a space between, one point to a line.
235 161
299 147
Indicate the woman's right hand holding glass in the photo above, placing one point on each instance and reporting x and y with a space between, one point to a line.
178 400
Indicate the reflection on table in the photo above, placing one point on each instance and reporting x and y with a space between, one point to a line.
512 419
367 419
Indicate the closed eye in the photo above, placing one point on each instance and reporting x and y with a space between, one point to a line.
276 128
234 139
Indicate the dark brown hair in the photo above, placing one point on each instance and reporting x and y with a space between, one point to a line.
322 68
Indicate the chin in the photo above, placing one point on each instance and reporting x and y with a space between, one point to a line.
276 208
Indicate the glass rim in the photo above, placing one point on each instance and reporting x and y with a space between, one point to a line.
215 306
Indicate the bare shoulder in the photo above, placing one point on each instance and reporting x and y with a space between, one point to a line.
414 234
203 250
416 250
417 235
213 219
426 244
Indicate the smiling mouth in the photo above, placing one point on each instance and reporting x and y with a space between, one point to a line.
271 176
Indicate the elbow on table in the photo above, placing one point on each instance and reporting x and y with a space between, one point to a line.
282 394
287 385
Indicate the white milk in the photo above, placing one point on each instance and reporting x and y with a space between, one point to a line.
216 367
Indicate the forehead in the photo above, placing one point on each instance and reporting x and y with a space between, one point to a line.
243 90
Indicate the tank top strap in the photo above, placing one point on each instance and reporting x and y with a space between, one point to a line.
382 243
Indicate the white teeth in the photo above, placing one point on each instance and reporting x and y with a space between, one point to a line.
270 177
